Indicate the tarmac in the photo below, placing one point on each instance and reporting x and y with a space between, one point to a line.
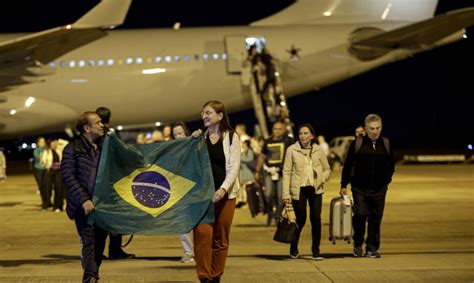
427 236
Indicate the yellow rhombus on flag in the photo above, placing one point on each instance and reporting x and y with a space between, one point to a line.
153 189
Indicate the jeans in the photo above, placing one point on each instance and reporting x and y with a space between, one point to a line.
273 194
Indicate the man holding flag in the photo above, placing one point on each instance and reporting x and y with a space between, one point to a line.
79 169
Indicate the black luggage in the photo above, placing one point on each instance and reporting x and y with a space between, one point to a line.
255 198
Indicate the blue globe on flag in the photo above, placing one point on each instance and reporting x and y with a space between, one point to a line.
151 189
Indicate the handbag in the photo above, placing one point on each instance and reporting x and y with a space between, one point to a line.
287 229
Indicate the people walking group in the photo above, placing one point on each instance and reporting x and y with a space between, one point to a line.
292 174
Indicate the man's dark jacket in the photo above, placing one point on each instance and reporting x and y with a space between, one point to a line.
369 169
79 169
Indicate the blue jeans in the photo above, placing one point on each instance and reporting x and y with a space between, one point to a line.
273 194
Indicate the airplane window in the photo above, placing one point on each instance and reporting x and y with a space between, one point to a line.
168 59
62 64
129 60
215 56
100 63
196 57
72 64
186 58
82 63
139 60
158 59
224 56
53 64
110 62
206 57
91 63
176 58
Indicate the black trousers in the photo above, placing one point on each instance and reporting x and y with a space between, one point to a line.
54 182
307 195
92 246
368 207
115 245
41 177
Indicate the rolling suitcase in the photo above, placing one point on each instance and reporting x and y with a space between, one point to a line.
255 198
340 220
252 199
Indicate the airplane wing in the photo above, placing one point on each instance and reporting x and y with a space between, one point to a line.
422 35
21 58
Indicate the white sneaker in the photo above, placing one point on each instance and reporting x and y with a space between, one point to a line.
317 257
187 258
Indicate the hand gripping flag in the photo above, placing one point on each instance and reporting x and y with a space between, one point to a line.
154 189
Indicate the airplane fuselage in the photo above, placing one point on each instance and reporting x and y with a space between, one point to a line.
166 75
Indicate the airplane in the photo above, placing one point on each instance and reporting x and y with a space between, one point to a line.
48 78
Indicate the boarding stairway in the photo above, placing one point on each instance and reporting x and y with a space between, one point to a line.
270 104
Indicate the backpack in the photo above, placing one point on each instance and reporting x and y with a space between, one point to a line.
231 137
358 144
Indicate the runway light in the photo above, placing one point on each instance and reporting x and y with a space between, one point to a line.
68 27
119 128
469 146
153 71
12 112
24 146
33 145
464 35
158 124
29 101
79 81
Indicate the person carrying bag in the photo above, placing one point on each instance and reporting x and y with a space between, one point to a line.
287 228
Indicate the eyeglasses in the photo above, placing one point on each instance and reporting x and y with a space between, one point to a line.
207 113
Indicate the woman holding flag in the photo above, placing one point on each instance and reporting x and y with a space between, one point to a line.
211 241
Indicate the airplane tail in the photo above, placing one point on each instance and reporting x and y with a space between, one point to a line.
350 11
107 14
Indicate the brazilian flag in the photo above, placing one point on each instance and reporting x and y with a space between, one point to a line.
154 189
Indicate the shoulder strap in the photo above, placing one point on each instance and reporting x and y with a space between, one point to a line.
386 143
78 146
231 137
358 144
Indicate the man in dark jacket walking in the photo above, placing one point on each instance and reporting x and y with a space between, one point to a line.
369 167
79 169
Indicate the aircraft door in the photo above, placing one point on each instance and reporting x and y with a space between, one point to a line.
236 53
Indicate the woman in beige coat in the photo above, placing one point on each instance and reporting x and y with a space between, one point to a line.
305 171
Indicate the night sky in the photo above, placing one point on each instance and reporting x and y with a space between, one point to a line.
422 100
